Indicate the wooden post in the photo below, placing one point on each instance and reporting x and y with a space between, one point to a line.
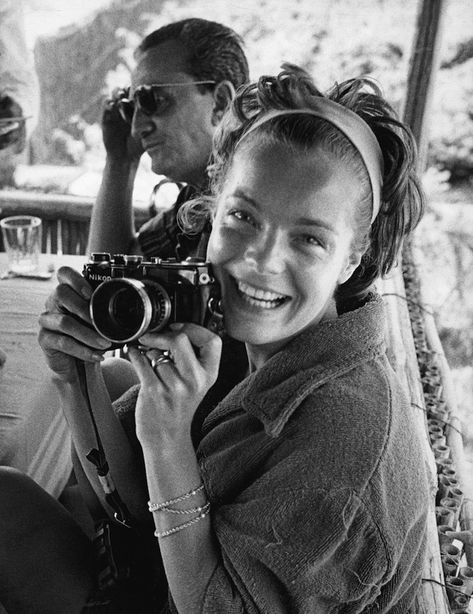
422 69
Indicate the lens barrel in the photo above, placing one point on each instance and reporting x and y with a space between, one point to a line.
124 309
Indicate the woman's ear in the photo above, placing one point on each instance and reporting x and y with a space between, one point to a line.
224 93
353 262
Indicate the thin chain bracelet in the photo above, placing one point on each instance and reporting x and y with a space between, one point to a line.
192 510
182 526
154 507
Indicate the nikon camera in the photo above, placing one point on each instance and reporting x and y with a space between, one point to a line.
133 296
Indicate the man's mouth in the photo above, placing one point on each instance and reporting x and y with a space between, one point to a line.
258 297
151 146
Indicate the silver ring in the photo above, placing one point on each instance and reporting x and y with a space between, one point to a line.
162 359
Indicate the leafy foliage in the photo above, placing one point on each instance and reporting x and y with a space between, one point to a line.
333 39
451 132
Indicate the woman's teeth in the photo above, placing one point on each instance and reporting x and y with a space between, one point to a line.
260 298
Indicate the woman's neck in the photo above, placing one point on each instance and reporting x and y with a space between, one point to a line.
258 355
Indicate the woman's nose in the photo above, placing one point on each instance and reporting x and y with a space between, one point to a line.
267 254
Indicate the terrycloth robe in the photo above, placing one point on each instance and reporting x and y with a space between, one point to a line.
316 479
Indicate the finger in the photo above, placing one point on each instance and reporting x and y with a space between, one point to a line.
71 277
209 344
56 344
157 341
198 335
118 92
163 340
190 358
182 353
111 114
65 299
142 366
158 358
65 324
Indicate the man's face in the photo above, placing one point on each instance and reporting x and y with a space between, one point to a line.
178 137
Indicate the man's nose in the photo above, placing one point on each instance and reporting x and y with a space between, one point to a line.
267 253
141 124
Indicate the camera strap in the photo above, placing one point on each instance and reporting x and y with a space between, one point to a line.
98 458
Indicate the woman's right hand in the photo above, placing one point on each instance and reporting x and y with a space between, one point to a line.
66 330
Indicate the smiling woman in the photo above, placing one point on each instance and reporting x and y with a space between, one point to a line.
279 251
303 489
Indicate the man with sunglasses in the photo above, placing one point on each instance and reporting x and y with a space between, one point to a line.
184 80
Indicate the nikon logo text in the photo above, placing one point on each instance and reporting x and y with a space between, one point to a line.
96 277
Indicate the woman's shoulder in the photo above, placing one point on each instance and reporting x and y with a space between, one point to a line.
349 349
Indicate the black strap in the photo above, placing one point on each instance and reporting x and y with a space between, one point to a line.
97 457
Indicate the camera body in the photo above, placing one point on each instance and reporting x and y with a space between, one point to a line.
133 296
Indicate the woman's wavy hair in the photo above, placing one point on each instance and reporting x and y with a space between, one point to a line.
402 200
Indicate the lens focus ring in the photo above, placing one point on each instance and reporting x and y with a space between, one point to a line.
124 309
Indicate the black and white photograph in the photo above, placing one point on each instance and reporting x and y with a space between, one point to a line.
236 307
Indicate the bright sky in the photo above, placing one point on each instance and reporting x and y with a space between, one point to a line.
45 17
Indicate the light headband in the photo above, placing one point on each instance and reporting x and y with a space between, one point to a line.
353 127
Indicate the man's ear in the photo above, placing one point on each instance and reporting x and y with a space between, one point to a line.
224 93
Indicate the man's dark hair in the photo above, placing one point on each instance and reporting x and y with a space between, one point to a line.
215 52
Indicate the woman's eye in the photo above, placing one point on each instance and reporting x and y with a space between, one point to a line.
311 240
311 244
242 216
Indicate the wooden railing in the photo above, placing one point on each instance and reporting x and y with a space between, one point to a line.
65 218
416 354
402 356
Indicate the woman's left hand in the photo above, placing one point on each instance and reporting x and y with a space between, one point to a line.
171 391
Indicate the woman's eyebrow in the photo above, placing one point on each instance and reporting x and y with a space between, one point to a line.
308 221
238 193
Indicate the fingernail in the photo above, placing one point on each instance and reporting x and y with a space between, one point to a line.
144 341
177 326
97 357
103 343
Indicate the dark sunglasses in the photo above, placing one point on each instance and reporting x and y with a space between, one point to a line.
149 99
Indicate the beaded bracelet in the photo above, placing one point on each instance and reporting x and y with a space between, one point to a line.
192 510
182 526
155 507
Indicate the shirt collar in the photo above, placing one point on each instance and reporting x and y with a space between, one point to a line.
330 349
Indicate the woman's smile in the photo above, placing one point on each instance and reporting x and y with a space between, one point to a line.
260 298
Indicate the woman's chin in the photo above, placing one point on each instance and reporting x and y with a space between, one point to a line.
253 334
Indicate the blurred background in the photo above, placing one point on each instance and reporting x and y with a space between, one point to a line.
83 49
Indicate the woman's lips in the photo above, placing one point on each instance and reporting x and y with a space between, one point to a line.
257 297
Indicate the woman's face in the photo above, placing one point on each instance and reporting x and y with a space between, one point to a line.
281 241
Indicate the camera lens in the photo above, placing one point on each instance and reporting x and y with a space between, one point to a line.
125 312
124 309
